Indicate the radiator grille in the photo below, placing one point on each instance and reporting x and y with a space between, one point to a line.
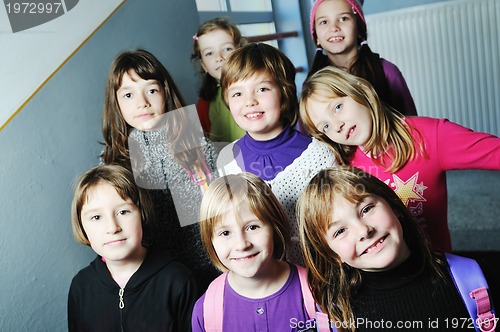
449 54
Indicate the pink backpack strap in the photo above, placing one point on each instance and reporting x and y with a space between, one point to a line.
306 292
472 286
322 322
213 304
486 317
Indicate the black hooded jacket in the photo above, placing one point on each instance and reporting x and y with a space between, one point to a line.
159 296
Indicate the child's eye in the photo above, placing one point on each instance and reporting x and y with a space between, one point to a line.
209 53
263 89
253 227
322 22
123 212
153 91
343 18
223 233
237 94
127 95
339 232
367 209
228 49
338 108
326 127
95 218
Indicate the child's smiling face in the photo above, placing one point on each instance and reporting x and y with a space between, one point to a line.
244 244
255 104
336 27
366 235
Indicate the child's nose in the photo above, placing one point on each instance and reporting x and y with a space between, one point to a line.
335 26
251 100
241 242
142 101
338 126
364 231
112 226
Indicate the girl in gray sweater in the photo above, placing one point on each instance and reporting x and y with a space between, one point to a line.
147 129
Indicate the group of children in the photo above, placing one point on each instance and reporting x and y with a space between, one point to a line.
353 198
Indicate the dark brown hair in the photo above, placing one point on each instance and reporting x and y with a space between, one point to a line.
114 128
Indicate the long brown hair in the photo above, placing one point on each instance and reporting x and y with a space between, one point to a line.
391 144
367 64
114 128
332 282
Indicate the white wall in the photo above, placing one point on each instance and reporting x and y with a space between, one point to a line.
31 56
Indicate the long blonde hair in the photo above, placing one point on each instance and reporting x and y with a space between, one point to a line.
332 282
391 143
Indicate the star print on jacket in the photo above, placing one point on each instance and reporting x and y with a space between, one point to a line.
421 183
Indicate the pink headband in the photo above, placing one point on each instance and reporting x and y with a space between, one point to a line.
355 4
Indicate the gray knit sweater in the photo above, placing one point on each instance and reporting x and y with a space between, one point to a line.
176 197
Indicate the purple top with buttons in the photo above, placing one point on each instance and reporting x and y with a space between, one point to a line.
281 311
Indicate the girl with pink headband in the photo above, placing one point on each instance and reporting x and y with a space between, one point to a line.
338 28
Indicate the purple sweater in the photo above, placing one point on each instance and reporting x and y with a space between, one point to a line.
281 311
401 98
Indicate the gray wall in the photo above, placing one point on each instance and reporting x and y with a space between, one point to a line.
54 138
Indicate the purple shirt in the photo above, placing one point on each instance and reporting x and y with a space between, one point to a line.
401 98
281 311
267 158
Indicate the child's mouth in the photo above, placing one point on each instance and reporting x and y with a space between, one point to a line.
240 259
349 133
114 242
335 39
374 246
253 115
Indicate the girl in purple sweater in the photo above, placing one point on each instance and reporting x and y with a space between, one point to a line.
338 28
246 233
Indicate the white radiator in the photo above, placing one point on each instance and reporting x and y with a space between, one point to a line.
449 54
